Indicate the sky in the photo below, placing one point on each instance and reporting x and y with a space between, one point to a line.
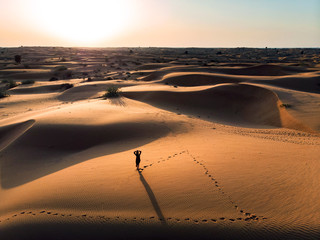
160 23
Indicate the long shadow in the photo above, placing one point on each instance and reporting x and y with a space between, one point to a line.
153 199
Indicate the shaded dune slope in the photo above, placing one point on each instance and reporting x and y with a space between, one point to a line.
229 103
152 66
265 70
41 89
10 133
45 146
305 84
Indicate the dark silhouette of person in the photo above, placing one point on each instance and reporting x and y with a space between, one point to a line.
137 153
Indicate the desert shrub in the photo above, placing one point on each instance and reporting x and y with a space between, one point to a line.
111 92
67 74
285 105
53 79
17 58
66 86
11 84
60 68
27 81
4 93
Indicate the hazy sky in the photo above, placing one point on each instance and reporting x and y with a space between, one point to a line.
172 23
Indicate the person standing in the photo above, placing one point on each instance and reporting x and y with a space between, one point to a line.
137 153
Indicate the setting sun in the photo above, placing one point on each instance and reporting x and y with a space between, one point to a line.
82 22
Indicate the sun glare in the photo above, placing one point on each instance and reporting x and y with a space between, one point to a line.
82 22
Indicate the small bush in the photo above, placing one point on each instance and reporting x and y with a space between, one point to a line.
27 82
67 74
60 68
4 81
285 105
53 79
11 84
4 94
112 92
17 58
66 86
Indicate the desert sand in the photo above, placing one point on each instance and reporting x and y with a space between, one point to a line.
229 138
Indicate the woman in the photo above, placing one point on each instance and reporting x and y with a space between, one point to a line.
137 153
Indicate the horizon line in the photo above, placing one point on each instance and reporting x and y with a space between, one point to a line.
172 47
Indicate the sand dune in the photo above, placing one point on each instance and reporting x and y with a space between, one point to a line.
87 91
230 144
41 89
152 66
232 103
51 142
299 83
266 70
197 79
